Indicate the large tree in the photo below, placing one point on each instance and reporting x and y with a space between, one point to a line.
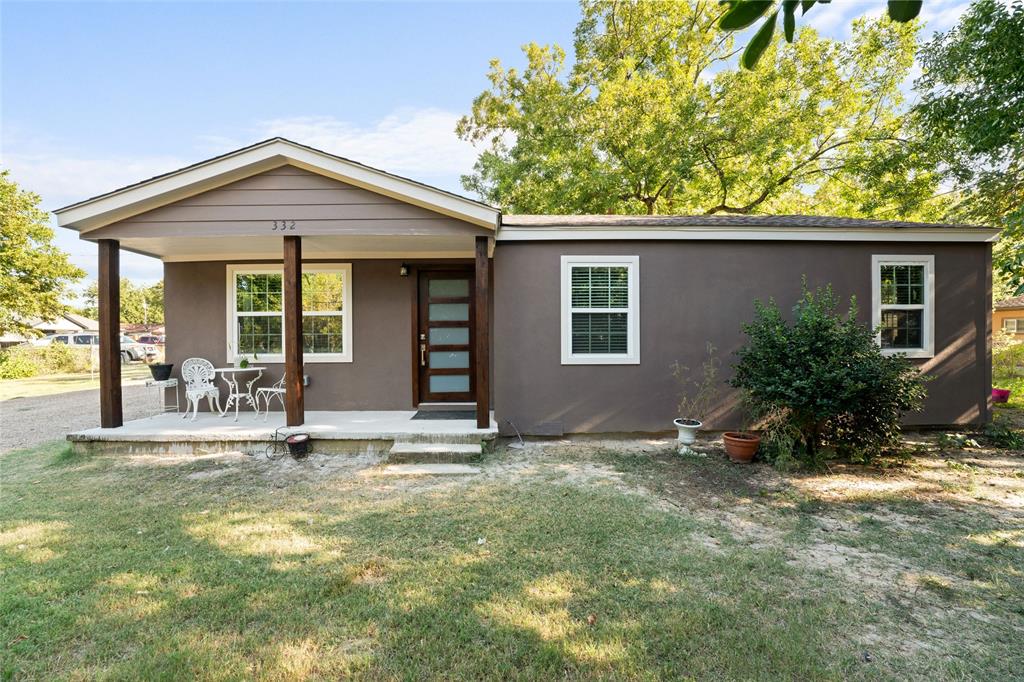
654 116
972 111
140 304
35 275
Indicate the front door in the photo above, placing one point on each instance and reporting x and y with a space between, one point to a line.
445 336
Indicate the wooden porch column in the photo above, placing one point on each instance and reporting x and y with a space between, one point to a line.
483 336
109 301
294 402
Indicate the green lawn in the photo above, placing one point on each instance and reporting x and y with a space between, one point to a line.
574 561
50 384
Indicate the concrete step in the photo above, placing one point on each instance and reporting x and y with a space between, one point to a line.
429 452
448 438
423 470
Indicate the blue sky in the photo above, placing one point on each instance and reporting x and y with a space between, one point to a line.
99 95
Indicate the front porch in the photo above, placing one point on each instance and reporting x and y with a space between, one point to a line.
392 434
347 287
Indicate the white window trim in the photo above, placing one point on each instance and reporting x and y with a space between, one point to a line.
1013 325
632 355
262 269
928 308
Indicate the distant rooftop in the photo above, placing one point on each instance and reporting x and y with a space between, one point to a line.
1015 302
719 220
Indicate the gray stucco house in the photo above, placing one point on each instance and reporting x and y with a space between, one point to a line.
400 295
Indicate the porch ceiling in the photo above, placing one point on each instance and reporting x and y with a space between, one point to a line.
178 249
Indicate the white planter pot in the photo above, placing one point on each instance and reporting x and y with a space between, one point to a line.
687 432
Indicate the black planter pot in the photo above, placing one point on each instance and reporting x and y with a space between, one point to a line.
161 371
298 445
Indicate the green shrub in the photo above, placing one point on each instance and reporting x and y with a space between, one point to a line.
19 362
827 378
16 365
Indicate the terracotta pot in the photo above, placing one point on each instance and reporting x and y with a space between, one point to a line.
741 447
1000 395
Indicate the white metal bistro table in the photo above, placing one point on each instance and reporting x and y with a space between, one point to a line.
235 394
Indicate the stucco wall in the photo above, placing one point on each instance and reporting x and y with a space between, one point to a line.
1007 314
695 292
379 378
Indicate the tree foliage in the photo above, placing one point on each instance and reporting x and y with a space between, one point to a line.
972 112
743 13
35 275
826 377
652 117
139 304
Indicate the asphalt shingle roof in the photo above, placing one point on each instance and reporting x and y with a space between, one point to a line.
718 220
1015 302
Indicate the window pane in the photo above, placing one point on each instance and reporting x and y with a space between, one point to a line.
902 284
322 291
449 383
599 286
902 329
258 293
448 287
260 334
322 334
449 359
449 336
449 312
605 333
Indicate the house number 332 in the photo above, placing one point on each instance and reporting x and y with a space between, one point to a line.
282 225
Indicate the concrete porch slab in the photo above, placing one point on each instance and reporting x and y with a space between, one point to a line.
355 431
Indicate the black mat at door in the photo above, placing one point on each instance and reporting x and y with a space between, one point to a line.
445 414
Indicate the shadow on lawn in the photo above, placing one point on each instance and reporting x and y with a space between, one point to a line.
158 576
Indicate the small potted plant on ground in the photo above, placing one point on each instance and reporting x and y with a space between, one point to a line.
696 397
1006 354
741 446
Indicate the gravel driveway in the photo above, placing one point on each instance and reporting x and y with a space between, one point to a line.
25 422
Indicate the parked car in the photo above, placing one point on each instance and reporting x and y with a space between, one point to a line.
130 349
152 340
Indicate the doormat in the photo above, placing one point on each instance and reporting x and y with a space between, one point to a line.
445 414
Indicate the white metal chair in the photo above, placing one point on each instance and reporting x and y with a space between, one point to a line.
198 375
275 391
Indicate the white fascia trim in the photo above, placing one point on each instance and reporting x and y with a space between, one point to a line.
903 234
234 268
928 325
632 356
325 255
92 214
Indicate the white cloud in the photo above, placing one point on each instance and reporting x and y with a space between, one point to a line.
60 179
942 15
408 141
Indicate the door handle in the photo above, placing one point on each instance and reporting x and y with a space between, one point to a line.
423 355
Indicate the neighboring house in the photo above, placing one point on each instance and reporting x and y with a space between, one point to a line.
70 323
1008 316
135 329
414 295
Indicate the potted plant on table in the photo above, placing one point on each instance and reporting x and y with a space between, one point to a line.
161 371
697 395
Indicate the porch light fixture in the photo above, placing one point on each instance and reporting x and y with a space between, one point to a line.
403 271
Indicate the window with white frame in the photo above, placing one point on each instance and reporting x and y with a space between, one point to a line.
903 303
256 313
600 310
1014 325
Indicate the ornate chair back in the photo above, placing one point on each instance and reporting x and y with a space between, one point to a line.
197 373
